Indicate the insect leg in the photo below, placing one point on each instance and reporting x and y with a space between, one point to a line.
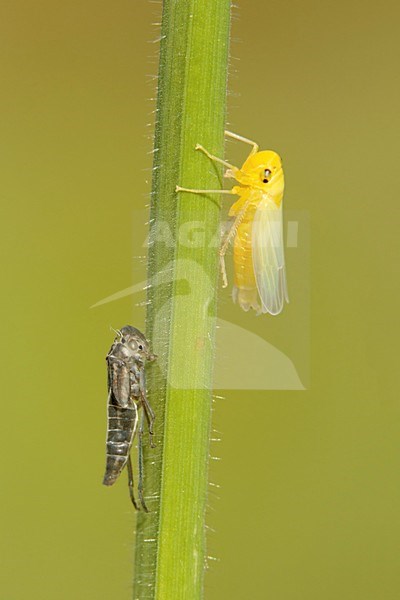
150 417
130 482
140 481
240 138
178 188
215 158
228 239
148 411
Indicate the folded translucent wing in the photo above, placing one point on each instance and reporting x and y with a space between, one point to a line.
268 256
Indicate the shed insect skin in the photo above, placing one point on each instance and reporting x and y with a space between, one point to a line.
126 396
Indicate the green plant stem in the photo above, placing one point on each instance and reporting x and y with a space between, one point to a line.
170 542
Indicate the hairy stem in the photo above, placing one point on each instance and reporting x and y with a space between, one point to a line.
183 276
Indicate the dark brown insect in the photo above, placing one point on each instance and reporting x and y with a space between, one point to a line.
126 395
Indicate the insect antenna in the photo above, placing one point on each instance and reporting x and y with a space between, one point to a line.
117 331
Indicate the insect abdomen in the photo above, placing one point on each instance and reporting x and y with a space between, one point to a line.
245 289
122 424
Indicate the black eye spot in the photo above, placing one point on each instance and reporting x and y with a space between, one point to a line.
140 347
123 340
267 173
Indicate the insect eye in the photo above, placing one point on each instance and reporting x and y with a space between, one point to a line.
140 347
267 173
123 340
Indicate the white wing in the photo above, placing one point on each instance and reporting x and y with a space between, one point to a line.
268 256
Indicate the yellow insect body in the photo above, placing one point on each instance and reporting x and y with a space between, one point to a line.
256 232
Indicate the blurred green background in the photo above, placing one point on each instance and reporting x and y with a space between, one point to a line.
308 506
